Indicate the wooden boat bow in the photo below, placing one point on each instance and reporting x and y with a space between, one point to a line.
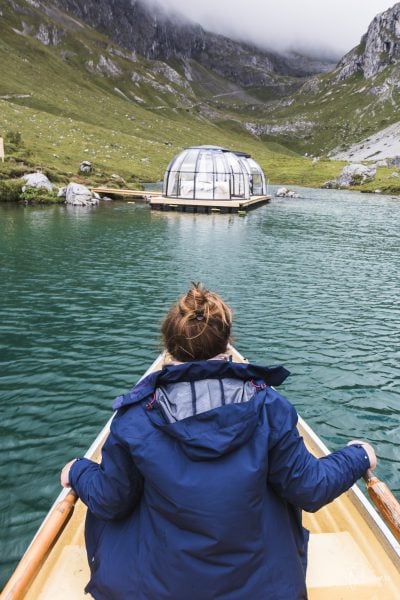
353 554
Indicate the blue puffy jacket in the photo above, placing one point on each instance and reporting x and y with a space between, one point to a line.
200 489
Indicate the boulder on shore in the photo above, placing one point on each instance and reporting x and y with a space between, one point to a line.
37 180
353 174
79 195
356 173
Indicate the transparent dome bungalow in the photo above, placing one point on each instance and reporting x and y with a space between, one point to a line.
212 178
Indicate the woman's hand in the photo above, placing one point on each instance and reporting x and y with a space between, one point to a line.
65 474
368 449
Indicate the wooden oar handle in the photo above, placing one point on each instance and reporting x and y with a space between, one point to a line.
385 502
41 545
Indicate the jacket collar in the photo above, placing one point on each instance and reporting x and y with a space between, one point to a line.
192 371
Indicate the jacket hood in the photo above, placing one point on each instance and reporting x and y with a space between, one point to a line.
209 407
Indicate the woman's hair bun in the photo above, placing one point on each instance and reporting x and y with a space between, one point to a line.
198 325
196 303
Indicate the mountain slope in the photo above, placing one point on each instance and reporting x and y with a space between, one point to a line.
73 94
333 111
126 87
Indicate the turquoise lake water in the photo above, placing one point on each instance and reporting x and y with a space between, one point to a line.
313 282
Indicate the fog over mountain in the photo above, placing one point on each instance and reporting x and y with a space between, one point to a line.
331 26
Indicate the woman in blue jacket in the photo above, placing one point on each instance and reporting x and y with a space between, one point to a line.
203 477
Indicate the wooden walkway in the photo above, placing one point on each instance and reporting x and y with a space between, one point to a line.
126 192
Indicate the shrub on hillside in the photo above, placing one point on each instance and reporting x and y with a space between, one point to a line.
10 190
13 170
14 138
34 195
56 176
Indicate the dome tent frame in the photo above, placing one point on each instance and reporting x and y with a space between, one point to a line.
213 173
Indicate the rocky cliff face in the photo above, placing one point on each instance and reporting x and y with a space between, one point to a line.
156 34
379 47
136 25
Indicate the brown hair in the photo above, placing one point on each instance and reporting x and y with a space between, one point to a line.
198 326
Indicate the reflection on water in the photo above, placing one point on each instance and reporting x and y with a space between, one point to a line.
313 283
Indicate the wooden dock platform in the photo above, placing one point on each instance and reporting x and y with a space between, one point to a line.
208 206
159 202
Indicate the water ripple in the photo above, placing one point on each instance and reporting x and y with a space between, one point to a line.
313 284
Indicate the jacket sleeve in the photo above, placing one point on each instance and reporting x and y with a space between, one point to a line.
111 489
301 478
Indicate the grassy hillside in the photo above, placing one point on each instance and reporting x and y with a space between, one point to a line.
72 95
68 94
329 115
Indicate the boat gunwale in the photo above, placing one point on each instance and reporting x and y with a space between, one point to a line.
359 500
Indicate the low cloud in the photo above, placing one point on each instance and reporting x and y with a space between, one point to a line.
333 27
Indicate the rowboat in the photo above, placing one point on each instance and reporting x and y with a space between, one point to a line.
352 553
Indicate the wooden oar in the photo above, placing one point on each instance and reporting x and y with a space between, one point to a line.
40 547
385 502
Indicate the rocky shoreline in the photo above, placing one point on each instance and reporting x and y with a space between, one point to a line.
21 184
